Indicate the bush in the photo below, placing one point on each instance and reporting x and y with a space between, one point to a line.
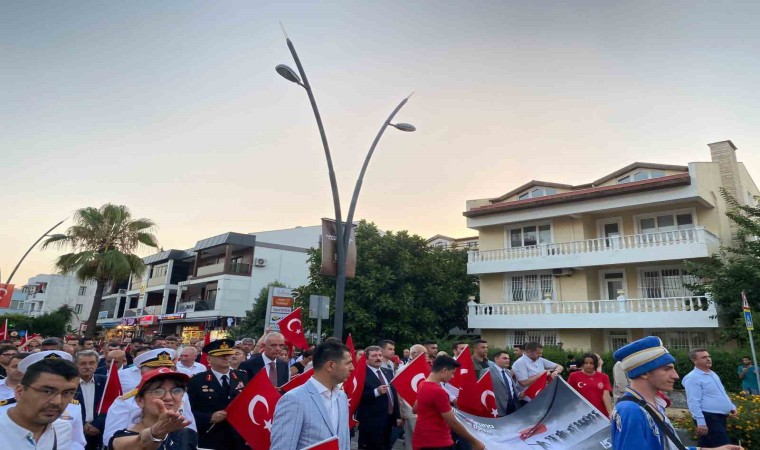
744 430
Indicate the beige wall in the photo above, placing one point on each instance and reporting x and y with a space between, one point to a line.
495 338
575 340
747 182
492 288
491 238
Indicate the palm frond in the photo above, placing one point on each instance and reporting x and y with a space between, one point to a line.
56 240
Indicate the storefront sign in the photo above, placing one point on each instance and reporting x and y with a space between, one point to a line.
129 321
147 320
186 306
193 328
175 316
279 304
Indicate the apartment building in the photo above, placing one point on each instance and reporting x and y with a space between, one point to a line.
598 265
46 293
442 241
208 287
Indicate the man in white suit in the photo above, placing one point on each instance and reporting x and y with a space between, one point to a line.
318 409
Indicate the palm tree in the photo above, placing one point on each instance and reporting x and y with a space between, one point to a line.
102 241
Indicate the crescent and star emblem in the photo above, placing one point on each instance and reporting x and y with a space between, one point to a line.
485 395
3 292
290 322
581 384
417 380
256 399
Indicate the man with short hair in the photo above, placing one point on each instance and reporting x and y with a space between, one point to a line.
435 418
8 385
406 356
708 402
89 393
638 420
53 343
432 349
6 353
269 359
74 342
480 357
746 372
172 342
518 349
85 344
119 357
457 348
318 409
504 384
378 410
248 344
159 341
187 363
531 366
33 417
388 350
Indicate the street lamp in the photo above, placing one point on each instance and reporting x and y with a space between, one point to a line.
47 233
343 233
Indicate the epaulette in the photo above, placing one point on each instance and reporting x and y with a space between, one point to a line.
74 401
129 394
9 401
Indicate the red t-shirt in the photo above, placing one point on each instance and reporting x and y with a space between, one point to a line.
431 430
591 387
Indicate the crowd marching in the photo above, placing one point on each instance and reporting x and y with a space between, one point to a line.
70 393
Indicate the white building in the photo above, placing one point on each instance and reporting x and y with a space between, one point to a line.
46 293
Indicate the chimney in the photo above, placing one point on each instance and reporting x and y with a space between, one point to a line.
724 153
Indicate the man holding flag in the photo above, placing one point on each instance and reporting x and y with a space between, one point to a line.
317 410
531 368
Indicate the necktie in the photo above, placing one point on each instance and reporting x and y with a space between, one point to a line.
506 383
225 384
390 397
273 373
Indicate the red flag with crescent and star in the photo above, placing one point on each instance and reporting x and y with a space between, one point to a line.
251 412
353 387
112 391
292 329
465 373
478 398
6 294
537 386
204 355
409 378
297 380
351 349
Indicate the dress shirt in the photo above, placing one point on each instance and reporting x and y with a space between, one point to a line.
705 393
329 400
381 378
88 396
192 370
219 375
5 391
510 382
19 438
525 368
268 367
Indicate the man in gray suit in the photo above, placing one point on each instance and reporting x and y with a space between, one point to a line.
318 409
504 385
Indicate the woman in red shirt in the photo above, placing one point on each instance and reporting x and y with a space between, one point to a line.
592 385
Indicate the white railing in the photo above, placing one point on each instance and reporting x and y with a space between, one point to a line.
624 305
634 241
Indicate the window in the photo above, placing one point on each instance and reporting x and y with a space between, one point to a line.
530 235
545 337
524 196
662 222
625 179
537 192
78 308
529 288
641 175
617 339
681 339
159 271
82 290
472 244
664 283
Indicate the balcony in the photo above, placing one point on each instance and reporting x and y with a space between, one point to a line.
662 246
671 312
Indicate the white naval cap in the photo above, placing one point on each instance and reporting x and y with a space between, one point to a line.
160 357
24 364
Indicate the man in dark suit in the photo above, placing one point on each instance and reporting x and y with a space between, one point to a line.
89 392
504 385
211 392
277 369
378 410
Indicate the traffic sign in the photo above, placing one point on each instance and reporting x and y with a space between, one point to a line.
745 303
748 320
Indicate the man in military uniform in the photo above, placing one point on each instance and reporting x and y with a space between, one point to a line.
211 391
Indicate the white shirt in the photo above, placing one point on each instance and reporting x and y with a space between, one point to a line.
69 427
88 395
219 376
18 438
129 378
5 391
525 368
269 368
192 370
329 400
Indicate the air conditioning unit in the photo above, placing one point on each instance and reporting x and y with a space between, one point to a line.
122 292
259 262
562 272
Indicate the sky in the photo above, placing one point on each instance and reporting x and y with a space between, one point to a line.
174 109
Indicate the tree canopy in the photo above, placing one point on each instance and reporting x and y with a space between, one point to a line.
102 241
48 324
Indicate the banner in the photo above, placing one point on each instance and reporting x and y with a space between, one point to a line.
279 304
558 418
330 251
6 294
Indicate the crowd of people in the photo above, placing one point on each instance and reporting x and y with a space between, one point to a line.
173 399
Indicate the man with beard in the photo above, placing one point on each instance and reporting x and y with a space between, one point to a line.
34 415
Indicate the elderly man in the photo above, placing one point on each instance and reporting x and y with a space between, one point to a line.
187 363
708 401
531 366
269 359
89 393
405 409
638 421
248 344
118 357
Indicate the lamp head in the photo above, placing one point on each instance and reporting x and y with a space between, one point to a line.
288 73
408 127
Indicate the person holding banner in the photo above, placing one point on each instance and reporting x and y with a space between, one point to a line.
638 420
531 367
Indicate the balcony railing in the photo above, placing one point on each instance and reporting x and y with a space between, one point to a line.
598 245
211 269
626 305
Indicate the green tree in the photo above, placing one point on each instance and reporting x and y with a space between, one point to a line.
102 241
48 324
735 269
253 322
404 289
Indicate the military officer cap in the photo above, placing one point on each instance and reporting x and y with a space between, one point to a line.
643 356
220 347
24 364
160 357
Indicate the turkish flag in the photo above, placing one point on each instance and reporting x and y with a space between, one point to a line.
351 349
6 293
297 380
251 412
354 386
292 329
112 390
204 355
409 378
527 433
327 444
4 330
465 373
478 398
537 386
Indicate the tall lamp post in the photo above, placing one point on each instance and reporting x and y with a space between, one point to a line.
343 233
31 248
